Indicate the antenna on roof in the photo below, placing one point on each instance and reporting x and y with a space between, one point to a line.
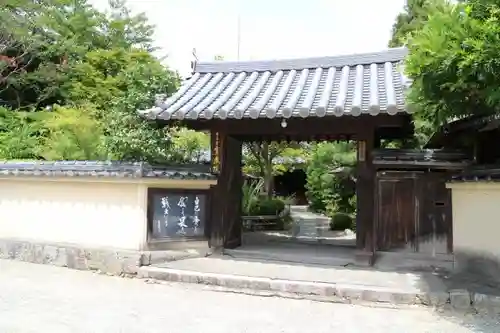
193 63
238 40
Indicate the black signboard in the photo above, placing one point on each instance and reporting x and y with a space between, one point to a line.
175 214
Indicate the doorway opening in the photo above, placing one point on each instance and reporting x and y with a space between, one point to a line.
292 184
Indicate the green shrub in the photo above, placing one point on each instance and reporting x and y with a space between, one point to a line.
255 203
251 196
267 206
341 221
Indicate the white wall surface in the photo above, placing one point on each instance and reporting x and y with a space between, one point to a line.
476 218
84 213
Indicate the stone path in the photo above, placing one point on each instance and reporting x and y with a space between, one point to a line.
38 298
306 227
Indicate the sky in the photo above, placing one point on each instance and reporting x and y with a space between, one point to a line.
269 29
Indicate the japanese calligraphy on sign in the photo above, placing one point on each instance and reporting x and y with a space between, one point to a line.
176 215
216 145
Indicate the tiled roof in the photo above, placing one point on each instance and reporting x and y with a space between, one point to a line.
101 169
488 173
363 83
463 127
425 157
391 154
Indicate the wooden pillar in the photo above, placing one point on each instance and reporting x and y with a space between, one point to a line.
226 218
365 192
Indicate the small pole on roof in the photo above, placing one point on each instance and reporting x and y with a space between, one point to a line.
238 40
238 29
193 63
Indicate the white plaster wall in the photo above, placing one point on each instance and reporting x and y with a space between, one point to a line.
476 218
85 213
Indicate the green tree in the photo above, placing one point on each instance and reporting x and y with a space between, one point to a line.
266 160
128 136
126 30
119 82
413 17
189 146
71 134
43 38
461 79
19 135
99 70
330 187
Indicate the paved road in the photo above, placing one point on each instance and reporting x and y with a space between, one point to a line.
37 298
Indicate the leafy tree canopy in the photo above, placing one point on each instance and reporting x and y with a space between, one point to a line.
413 17
453 62
71 80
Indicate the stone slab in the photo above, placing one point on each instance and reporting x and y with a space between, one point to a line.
306 272
320 283
321 291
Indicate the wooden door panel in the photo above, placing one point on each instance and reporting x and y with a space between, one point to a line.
434 229
396 213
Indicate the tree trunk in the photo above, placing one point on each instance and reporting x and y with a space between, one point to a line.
268 170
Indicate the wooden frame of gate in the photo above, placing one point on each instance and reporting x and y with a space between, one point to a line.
347 97
228 136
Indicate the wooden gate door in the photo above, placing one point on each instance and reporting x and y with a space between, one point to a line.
435 228
397 211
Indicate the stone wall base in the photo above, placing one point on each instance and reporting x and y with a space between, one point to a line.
110 261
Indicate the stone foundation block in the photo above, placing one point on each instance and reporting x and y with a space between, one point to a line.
460 299
104 260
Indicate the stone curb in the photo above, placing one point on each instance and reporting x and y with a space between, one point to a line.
327 292
320 290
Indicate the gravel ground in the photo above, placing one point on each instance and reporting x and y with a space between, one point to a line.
37 298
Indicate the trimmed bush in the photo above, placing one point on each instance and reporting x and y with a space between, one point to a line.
267 206
341 221
254 203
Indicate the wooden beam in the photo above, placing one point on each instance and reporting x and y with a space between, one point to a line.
311 127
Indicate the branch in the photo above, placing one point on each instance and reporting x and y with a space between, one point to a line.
14 62
256 150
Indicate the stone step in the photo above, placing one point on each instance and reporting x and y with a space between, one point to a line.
320 291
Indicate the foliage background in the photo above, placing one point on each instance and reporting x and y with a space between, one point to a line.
72 78
330 187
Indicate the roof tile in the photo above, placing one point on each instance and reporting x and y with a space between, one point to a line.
101 169
369 83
